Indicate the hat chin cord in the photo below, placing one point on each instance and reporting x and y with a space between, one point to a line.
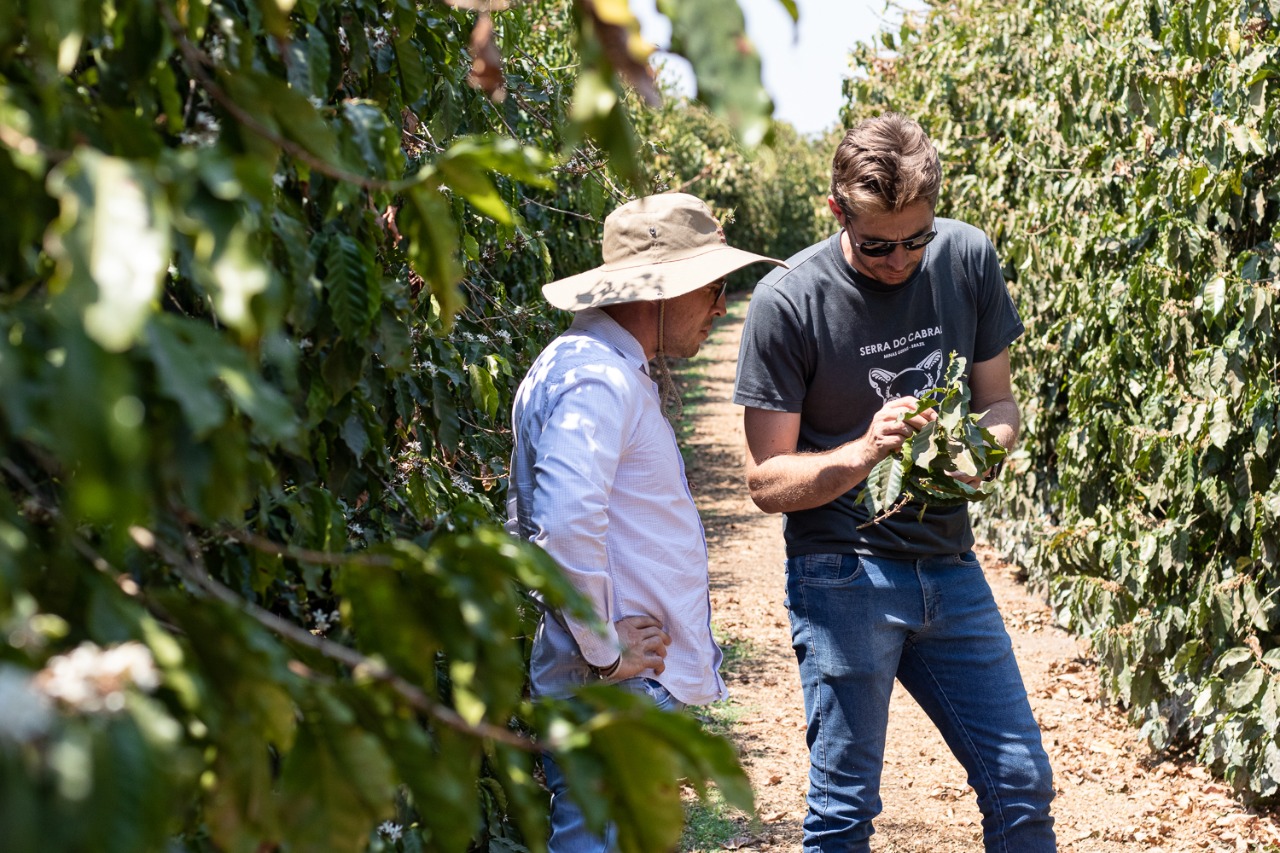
668 394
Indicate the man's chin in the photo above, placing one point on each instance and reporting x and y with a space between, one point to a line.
894 278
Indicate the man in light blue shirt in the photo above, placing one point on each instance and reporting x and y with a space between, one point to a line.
597 479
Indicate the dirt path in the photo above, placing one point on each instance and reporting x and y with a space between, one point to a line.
1113 795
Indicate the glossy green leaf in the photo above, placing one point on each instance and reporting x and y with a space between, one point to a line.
111 245
427 224
335 784
352 293
187 375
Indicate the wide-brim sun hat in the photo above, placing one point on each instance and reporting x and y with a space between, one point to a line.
656 247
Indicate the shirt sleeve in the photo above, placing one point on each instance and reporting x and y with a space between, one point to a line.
998 322
772 366
584 436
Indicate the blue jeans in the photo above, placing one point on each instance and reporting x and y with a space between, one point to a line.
569 833
859 622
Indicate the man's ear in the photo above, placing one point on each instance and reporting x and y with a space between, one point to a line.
835 209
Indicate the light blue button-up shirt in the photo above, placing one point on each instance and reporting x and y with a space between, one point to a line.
597 481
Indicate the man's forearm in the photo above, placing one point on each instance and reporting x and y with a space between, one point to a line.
795 481
1005 422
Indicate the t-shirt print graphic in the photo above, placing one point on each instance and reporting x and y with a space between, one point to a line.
911 382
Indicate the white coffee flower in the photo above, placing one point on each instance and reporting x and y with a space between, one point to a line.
92 679
25 712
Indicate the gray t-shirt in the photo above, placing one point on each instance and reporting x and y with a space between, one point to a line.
823 340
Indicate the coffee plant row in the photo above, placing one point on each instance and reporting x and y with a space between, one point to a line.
1125 158
269 272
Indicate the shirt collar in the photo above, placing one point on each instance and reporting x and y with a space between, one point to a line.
596 323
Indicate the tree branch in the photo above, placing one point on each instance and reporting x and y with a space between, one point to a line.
195 575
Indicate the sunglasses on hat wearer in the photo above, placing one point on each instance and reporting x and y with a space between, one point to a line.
724 284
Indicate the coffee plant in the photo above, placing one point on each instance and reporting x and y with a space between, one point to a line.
269 272
1124 157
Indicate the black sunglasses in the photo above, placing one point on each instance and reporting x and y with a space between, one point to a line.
880 248
724 284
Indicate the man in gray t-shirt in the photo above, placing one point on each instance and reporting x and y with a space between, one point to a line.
835 349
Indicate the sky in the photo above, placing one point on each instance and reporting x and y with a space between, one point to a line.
803 64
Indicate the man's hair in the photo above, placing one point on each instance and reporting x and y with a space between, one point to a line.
883 165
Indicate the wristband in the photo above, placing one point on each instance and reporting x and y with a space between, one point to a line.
606 671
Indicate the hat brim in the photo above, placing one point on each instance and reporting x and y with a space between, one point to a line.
611 284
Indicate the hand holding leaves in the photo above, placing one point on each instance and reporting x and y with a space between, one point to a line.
927 467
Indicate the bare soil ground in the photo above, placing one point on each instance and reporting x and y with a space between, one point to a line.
1113 793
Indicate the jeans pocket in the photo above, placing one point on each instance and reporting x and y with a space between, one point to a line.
823 569
661 696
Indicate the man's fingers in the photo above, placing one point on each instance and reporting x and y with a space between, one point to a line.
655 646
644 645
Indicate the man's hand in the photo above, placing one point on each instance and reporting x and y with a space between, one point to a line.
644 645
889 430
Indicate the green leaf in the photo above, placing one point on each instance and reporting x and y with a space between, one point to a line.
427 223
240 274
355 436
442 771
336 783
373 137
350 285
483 393
275 14
414 80
924 450
884 484
598 109
1242 691
270 410
299 119
187 374
628 739
110 243
388 608
1232 658
712 35
1214 298
1221 424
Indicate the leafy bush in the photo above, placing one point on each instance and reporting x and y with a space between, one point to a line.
268 277
1124 158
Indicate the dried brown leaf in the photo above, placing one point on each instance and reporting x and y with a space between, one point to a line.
486 60
628 53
